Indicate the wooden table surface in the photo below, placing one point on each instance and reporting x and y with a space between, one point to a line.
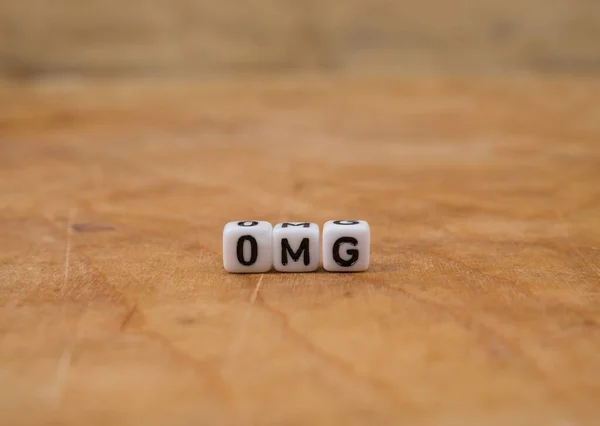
481 305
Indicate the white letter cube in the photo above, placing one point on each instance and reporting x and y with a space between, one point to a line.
296 247
247 246
346 245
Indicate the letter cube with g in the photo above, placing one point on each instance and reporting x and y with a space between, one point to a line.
346 245
247 246
296 247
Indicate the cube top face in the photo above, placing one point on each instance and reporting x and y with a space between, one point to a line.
346 245
296 247
247 246
296 226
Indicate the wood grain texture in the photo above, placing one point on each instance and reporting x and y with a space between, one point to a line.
481 306
400 37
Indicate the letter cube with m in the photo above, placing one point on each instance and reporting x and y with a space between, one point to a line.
296 247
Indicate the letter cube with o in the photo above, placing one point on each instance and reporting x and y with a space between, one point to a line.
346 245
296 247
247 247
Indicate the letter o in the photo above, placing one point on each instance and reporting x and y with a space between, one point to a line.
248 223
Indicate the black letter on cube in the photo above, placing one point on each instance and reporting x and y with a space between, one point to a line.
253 250
352 252
248 223
286 248
303 224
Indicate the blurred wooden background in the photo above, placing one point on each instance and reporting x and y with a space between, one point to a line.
41 38
482 304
